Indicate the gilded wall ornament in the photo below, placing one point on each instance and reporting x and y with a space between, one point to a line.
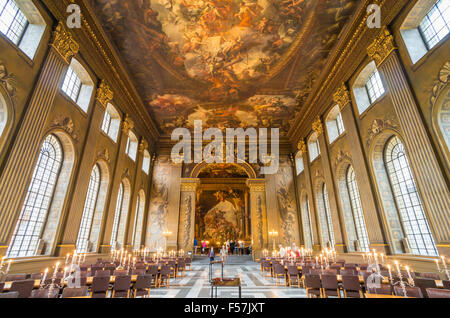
382 46
66 124
301 146
340 157
104 154
8 80
378 126
104 94
143 145
127 124
441 83
63 43
342 96
317 126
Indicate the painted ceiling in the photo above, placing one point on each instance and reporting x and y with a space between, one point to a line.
232 63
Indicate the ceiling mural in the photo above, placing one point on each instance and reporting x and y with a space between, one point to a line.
220 60
222 170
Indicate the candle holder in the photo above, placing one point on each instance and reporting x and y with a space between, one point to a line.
4 271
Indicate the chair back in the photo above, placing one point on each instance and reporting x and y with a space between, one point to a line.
278 269
138 271
382 289
2 285
15 277
166 271
96 268
410 292
100 284
45 293
110 268
143 282
446 284
292 270
9 295
121 272
349 266
75 292
36 276
122 283
312 281
438 293
423 284
434 276
348 272
330 282
330 272
351 283
152 270
23 287
102 273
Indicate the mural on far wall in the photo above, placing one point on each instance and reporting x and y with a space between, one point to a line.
222 170
275 111
287 205
158 211
219 215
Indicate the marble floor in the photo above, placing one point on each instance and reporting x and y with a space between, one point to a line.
195 283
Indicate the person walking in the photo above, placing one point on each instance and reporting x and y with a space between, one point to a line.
232 247
195 246
224 253
211 254
203 247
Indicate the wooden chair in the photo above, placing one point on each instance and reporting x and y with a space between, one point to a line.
410 292
121 288
330 286
438 293
313 285
142 286
279 272
351 286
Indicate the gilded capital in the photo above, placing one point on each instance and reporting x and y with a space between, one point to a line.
63 43
256 185
301 146
189 184
381 47
127 124
104 94
143 145
342 96
317 126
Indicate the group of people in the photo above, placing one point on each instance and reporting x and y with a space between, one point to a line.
229 248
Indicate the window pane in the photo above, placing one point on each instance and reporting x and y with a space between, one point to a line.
106 125
374 86
307 223
328 214
407 198
37 201
12 21
88 212
117 216
139 221
72 84
358 215
435 26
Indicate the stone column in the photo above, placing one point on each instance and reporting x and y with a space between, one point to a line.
313 215
116 179
186 226
258 215
137 186
422 158
20 164
365 184
72 225
297 199
336 216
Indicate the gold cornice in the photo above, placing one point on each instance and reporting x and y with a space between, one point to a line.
189 184
127 124
382 46
317 126
342 96
63 43
104 94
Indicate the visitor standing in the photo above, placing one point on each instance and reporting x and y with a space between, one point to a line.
203 247
211 254
224 253
195 246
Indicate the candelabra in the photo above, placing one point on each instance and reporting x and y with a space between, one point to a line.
273 234
444 269
4 272
166 234
53 283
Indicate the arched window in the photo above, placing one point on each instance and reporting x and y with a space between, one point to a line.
368 87
146 162
37 202
121 214
78 85
307 227
313 147
358 216
299 166
111 122
335 125
407 199
326 223
426 25
132 145
139 220
3 114
22 24
88 212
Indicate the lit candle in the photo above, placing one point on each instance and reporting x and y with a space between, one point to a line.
390 273
65 272
409 273
9 265
56 268
398 267
67 258
443 262
44 277
3 260
382 258
437 264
